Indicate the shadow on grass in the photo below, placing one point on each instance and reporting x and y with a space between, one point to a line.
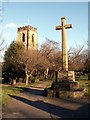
31 90
44 93
55 110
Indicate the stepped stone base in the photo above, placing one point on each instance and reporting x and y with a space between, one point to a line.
65 94
65 85
72 94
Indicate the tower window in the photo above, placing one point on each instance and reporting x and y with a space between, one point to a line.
33 40
23 37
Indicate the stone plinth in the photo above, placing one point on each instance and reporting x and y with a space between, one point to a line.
71 94
66 75
65 88
65 94
65 85
51 93
71 75
62 75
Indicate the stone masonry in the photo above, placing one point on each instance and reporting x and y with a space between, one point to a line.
28 35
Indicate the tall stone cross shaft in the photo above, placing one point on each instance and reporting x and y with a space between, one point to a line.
64 42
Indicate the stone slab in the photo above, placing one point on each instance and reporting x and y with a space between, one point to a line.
71 94
65 94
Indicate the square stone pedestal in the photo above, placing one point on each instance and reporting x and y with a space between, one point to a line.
66 75
71 75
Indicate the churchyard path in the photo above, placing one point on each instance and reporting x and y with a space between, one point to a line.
31 104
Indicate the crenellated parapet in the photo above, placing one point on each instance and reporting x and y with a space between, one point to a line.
27 28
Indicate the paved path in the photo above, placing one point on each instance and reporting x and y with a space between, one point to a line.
31 104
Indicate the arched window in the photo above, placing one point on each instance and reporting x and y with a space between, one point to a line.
33 40
23 37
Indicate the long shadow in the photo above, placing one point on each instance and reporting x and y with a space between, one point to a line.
44 93
74 100
84 111
32 91
53 109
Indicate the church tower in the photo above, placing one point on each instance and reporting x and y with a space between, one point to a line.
28 35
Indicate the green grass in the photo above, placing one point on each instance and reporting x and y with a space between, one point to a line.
12 90
34 83
82 77
49 85
85 83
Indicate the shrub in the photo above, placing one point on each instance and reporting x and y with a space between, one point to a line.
36 80
41 78
32 79
20 79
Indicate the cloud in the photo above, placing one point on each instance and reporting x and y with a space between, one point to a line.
11 25
7 35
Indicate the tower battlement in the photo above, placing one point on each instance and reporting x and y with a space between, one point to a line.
28 35
28 27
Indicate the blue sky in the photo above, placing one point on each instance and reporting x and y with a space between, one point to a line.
45 16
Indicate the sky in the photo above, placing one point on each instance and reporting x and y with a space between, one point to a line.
45 16
45 0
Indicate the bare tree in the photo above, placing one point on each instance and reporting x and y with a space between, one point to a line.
77 58
2 46
27 61
51 55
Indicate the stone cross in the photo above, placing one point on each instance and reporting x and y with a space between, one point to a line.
64 42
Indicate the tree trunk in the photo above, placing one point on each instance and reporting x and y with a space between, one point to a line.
14 82
27 77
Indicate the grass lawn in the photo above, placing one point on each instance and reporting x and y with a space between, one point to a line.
82 77
12 90
85 83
